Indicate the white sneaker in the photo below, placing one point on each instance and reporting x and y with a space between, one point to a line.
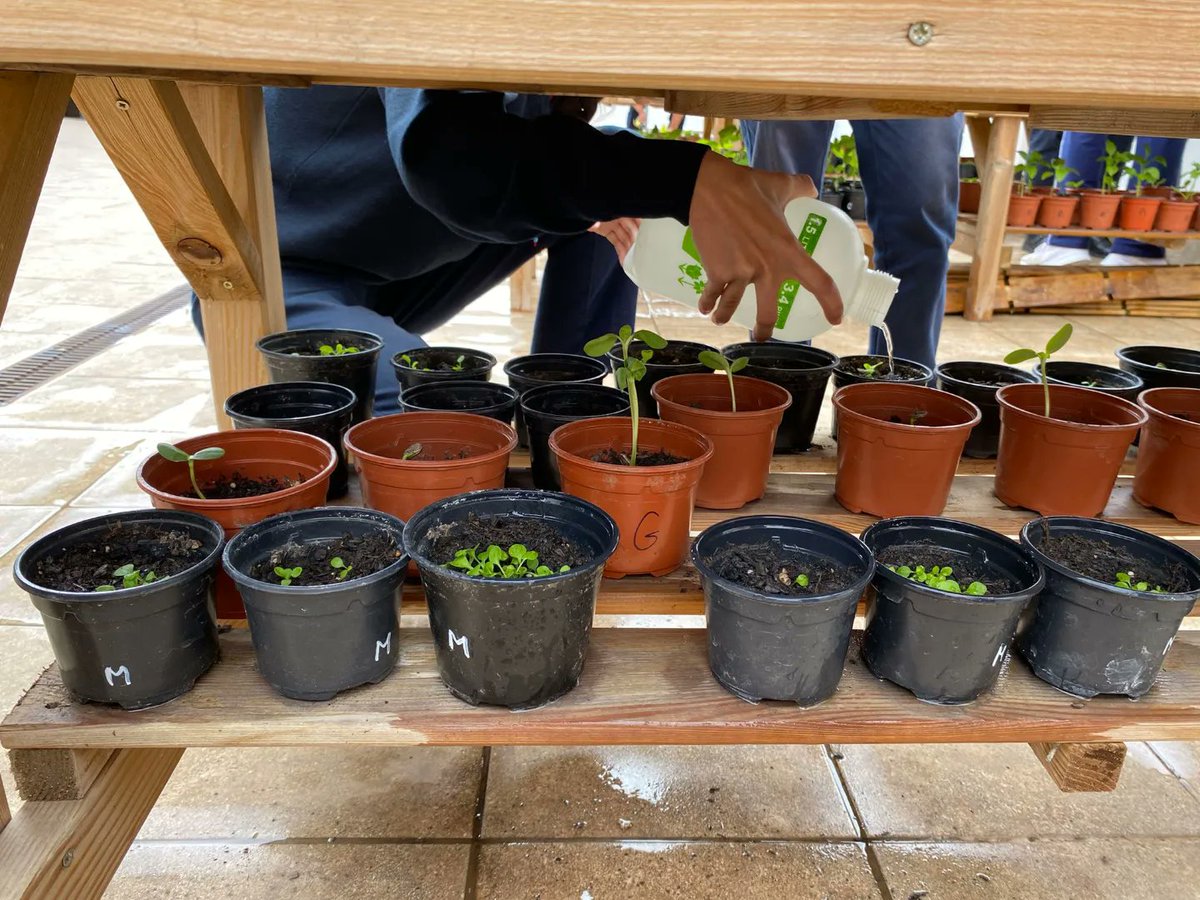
1124 259
1046 254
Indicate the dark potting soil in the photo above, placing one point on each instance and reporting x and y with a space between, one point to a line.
644 459
441 361
1100 560
929 555
989 382
670 355
364 554
86 566
897 371
552 548
770 569
550 374
782 363
230 487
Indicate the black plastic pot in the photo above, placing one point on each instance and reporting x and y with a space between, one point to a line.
803 372
1105 379
312 642
963 380
518 643
945 648
854 202
293 356
137 647
1086 637
846 372
537 369
323 410
476 366
1162 366
546 408
764 647
656 370
497 401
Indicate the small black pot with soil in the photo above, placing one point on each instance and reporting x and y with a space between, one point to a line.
428 365
677 358
139 638
1089 375
516 642
1088 635
546 408
779 601
1162 366
538 369
323 410
978 383
944 647
496 401
332 626
868 369
803 372
297 356
854 201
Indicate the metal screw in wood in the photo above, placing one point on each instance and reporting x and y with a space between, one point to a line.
920 33
68 858
228 285
122 103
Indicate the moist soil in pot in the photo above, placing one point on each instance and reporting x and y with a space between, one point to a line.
85 566
231 487
366 554
670 355
440 361
929 555
769 569
896 371
644 459
553 550
1100 560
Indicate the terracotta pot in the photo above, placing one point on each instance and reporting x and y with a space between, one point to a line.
1169 453
1056 211
1068 464
892 468
1137 213
1163 190
968 196
1175 215
252 452
1097 210
651 505
743 441
1023 209
401 487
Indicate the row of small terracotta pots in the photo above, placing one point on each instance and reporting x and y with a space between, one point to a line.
1154 210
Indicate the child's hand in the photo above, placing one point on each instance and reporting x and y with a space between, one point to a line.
620 233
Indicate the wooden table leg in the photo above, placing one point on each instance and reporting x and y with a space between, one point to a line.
5 813
980 128
993 212
522 287
32 105
1091 768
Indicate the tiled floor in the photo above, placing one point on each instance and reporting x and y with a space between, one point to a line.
851 822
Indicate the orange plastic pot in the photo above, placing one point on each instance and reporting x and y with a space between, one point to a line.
1137 213
968 196
1097 210
887 467
651 505
253 453
1168 459
401 487
1056 211
1023 209
1065 465
1175 215
743 441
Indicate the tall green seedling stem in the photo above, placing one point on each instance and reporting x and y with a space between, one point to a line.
631 370
174 454
1057 341
718 362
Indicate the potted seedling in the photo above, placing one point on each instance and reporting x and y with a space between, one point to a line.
780 595
547 407
238 478
845 172
1138 210
538 369
321 589
800 370
332 356
945 601
1061 447
1168 458
511 579
496 401
739 415
1057 208
676 358
1096 629
127 602
1024 203
970 192
1098 209
1161 366
1178 210
978 382
898 447
644 473
429 365
1108 379
869 369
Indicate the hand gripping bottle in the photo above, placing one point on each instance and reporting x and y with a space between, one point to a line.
664 260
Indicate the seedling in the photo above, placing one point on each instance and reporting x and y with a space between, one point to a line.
412 451
1145 171
938 577
845 160
1031 163
1115 162
1191 181
287 575
1126 580
718 362
1059 170
631 370
785 578
868 369
411 363
172 453
336 350
917 415
130 578
518 562
458 364
1057 341
339 565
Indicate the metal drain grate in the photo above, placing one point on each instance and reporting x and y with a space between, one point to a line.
33 371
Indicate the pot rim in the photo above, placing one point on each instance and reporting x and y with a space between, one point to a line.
277 435
1141 414
839 401
944 371
501 394
612 468
597 561
766 387
486 360
784 349
795 522
261 344
215 531
1147 397
386 522
1123 353
509 434
614 354
551 388
348 396
569 358
1132 381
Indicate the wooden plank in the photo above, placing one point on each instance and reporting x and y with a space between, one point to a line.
967 223
993 209
1183 123
5 812
162 74
1154 281
745 105
56 774
980 129
639 686
523 288
31 109
1082 768
72 848
1063 289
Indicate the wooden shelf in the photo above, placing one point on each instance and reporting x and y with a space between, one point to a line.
971 221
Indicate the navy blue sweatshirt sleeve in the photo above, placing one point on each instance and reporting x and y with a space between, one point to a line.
494 176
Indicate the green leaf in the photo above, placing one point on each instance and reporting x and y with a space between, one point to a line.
740 363
1059 339
802 580
651 339
636 368
601 345
104 587
646 355
622 377
337 562
543 570
209 453
126 569
977 588
564 568
1020 356
713 360
624 333
150 576
172 453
